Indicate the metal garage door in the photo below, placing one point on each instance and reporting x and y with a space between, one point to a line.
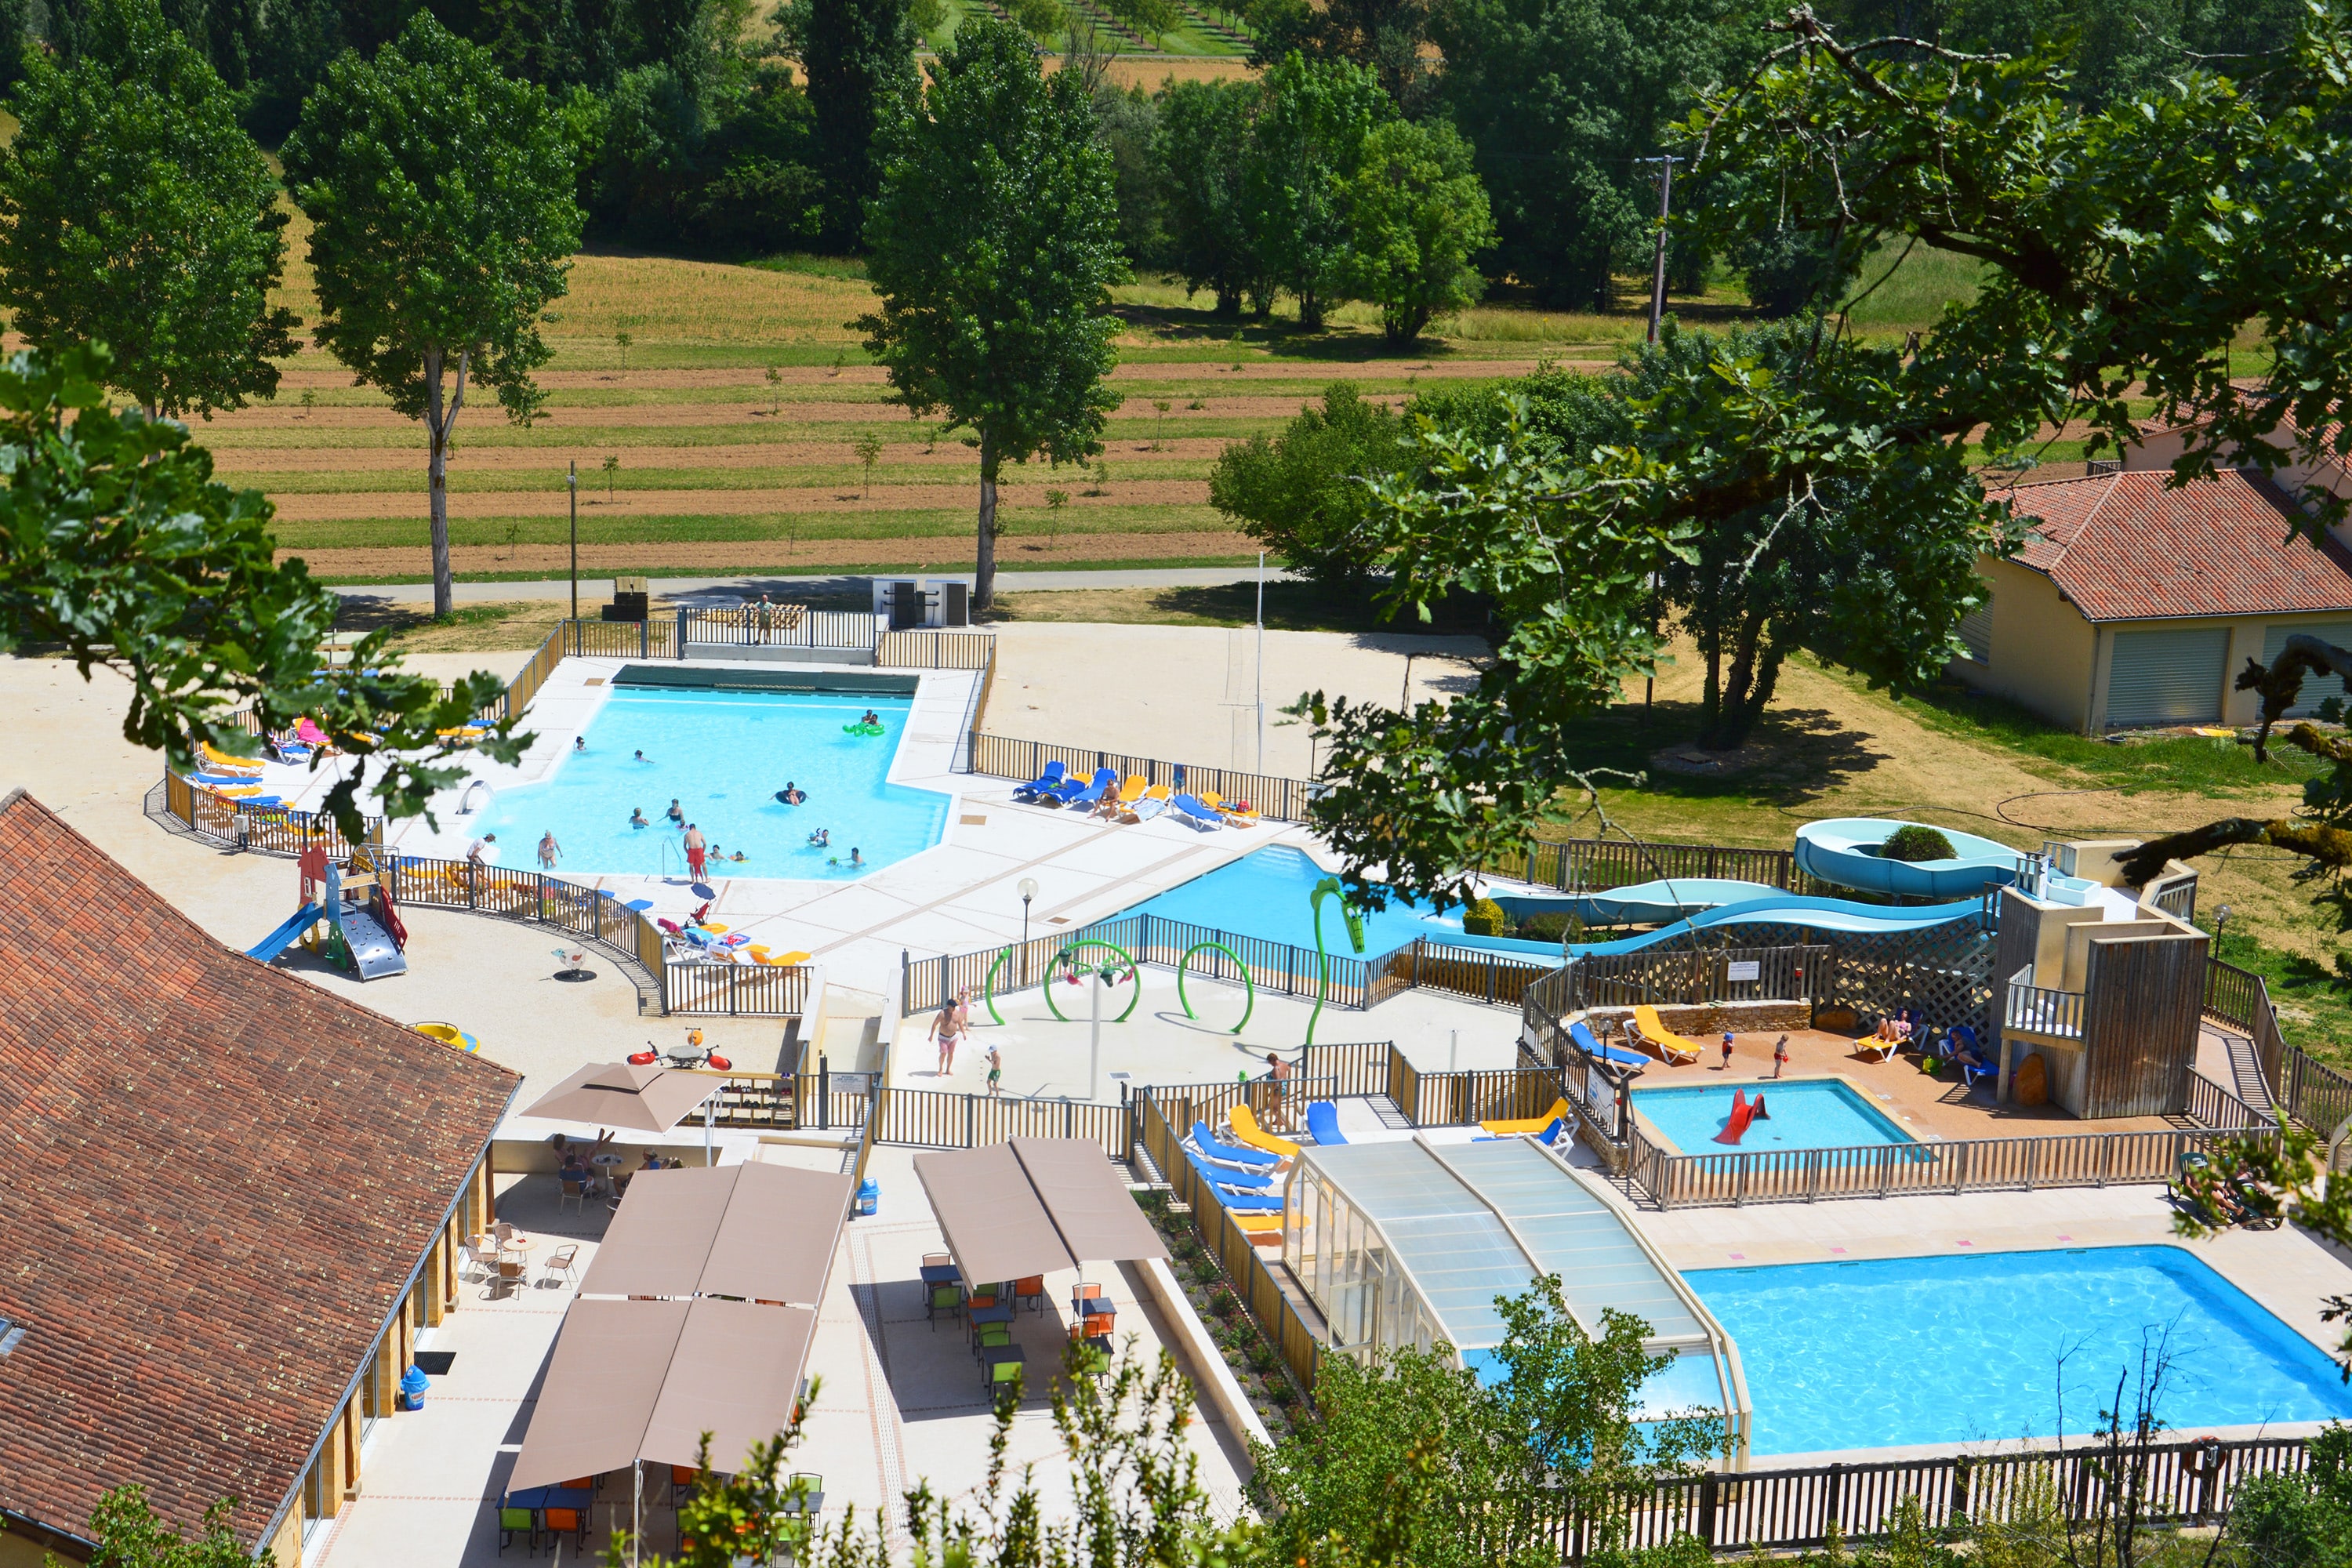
2166 678
2316 689
1976 633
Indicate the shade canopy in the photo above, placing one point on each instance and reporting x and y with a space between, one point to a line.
639 1100
644 1380
763 1233
1034 1205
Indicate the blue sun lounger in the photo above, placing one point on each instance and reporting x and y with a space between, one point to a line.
1227 1154
1226 1194
1073 792
1192 812
1044 784
1226 1175
1323 1123
1592 1047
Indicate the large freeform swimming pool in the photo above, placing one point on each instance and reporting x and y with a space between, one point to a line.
1800 1113
723 756
1993 1346
1265 895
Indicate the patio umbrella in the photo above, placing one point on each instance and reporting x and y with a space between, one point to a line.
634 1098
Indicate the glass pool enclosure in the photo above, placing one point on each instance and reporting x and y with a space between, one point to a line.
1410 1242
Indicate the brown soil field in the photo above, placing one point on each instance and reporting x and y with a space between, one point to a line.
946 551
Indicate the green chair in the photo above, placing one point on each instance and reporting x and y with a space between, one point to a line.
1000 1367
511 1519
993 1336
948 1299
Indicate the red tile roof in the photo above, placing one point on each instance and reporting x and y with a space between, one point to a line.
219 1180
2124 547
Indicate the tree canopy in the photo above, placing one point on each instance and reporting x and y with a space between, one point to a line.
440 197
135 211
995 244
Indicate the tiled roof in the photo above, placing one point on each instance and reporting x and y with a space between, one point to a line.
219 1180
2124 547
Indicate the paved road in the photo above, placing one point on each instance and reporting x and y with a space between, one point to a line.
595 591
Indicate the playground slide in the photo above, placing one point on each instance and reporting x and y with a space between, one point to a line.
279 941
373 952
1789 909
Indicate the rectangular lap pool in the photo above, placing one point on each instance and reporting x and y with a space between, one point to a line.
1896 1352
1800 1113
723 756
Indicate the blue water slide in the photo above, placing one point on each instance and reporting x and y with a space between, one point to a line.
1791 909
1846 850
279 941
1639 904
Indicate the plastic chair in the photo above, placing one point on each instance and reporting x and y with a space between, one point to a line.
681 1483
575 1193
1032 1290
511 1273
993 1336
948 1299
995 1372
564 1522
1080 1294
810 1490
513 1519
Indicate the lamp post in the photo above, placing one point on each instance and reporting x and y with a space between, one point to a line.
1028 891
2220 923
572 482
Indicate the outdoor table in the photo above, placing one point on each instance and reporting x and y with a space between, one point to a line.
984 1316
1096 1307
551 1496
686 1058
943 1274
808 1503
517 1244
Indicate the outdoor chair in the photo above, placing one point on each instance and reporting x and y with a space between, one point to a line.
999 1367
1030 1290
809 1489
992 1336
562 1521
503 1232
561 1260
575 1193
939 1260
510 1275
481 1252
948 1299
512 1520
1082 1292
681 1484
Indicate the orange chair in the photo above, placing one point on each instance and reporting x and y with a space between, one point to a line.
572 1521
1032 1290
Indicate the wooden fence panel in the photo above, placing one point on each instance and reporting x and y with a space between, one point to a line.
934 649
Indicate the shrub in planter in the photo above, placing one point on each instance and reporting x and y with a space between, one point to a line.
1913 842
1484 918
1282 1393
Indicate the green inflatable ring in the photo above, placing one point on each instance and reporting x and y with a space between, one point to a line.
861 729
1249 990
1090 942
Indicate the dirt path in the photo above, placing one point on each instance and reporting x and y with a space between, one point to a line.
942 551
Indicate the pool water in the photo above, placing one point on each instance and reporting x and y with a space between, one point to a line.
1944 1349
1265 895
723 755
1804 1113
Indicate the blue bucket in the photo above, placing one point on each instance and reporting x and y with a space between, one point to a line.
870 1196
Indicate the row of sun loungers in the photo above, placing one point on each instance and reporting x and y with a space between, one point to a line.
1135 799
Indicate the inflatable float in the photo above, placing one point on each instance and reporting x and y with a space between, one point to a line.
450 1034
861 728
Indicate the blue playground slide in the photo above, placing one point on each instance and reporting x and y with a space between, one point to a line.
1789 908
279 941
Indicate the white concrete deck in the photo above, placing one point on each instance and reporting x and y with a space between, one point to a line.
900 1399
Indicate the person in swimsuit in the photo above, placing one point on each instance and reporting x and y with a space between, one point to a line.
822 838
856 861
697 852
1277 1073
638 817
674 814
948 1030
549 851
995 1071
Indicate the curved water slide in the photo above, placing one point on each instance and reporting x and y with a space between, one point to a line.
1794 910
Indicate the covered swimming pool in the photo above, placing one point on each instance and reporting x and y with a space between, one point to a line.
1410 1243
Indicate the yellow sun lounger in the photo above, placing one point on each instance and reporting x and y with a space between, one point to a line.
218 760
1527 1124
1132 789
1245 1130
1677 1051
1257 1225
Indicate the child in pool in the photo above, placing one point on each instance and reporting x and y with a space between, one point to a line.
739 856
638 817
871 717
822 838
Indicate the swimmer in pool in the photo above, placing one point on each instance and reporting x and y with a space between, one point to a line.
579 744
638 817
643 758
856 860
871 718
674 814
739 857
822 838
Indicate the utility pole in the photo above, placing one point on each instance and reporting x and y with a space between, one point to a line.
1666 208
571 479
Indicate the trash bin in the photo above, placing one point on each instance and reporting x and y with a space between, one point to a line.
413 1384
870 1196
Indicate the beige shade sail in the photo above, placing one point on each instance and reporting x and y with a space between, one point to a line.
990 1214
1089 1205
777 1239
659 1241
617 1095
765 1233
600 1391
736 1375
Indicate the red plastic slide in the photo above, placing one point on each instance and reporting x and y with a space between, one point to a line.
1745 1113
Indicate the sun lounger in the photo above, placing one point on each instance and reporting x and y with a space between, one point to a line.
1150 804
1672 1048
1591 1045
1226 1172
1044 783
1550 1135
1878 1047
1257 1223
1323 1124
1131 789
1526 1124
1243 1120
1225 1153
1093 791
1229 1195
1191 811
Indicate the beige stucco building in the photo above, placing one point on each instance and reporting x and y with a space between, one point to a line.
2135 605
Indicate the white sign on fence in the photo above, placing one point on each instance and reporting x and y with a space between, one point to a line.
1744 969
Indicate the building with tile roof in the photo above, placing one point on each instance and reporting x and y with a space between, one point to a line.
234 1201
2135 603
